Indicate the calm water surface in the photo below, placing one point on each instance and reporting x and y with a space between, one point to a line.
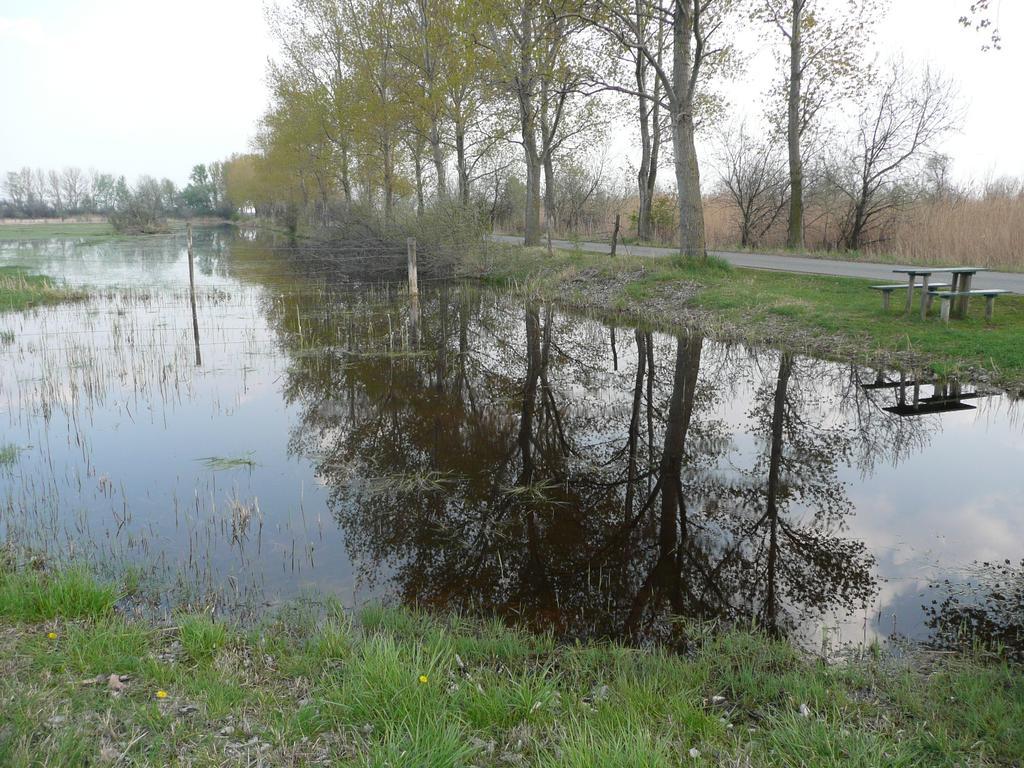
480 453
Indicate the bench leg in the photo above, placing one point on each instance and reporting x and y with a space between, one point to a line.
924 296
885 300
946 302
910 295
990 306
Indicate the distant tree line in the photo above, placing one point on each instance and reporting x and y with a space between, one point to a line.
39 193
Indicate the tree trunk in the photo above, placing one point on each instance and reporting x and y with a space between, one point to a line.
531 228
528 119
643 217
418 171
691 206
650 140
795 239
388 174
549 193
440 169
858 221
461 163
346 184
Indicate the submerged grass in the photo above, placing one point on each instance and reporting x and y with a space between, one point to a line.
53 229
835 317
21 290
222 463
398 687
9 455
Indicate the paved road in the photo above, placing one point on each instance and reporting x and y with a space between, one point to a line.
1011 281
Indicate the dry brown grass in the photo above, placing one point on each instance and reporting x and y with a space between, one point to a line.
986 232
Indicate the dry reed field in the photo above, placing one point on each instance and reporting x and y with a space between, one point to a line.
984 231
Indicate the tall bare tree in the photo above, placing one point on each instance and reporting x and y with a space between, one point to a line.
825 49
906 114
753 174
534 57
693 28
72 184
55 192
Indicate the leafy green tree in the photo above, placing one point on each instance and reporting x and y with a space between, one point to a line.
197 195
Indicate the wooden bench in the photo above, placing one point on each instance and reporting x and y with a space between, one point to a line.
948 296
888 289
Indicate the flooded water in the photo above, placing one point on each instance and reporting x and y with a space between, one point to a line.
477 452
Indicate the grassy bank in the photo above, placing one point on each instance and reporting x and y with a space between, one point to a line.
829 316
20 289
82 685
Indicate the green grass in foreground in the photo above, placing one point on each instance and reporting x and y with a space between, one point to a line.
820 313
48 230
21 290
398 688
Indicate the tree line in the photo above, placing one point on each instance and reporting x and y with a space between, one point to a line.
398 107
42 193
501 108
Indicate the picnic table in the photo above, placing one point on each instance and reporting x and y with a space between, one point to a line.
959 292
912 274
962 277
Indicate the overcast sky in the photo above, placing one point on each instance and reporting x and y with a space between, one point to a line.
142 86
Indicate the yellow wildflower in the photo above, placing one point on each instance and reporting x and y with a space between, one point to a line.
161 694
51 635
424 679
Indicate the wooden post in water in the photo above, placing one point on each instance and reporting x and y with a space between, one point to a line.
615 235
192 292
414 321
414 288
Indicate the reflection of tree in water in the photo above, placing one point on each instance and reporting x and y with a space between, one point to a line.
986 609
787 517
508 470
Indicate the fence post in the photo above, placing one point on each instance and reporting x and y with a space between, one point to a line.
192 292
414 289
615 235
